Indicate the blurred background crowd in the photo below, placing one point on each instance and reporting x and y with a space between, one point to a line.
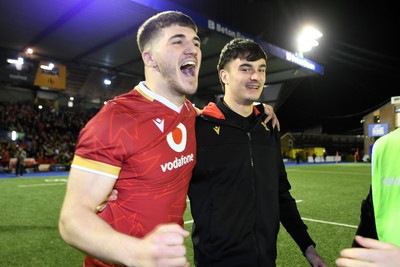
46 135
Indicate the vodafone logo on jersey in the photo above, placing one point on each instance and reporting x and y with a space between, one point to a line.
177 141
177 138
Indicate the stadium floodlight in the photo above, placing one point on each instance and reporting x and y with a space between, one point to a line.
307 39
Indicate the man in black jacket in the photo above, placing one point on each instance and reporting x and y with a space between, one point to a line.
239 192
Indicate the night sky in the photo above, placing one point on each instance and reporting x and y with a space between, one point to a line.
358 51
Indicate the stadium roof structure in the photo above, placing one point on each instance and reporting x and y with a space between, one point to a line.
96 39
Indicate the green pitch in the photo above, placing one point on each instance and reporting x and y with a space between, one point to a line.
329 199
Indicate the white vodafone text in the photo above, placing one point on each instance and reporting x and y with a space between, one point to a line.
177 163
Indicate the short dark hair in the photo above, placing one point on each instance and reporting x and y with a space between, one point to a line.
152 26
242 48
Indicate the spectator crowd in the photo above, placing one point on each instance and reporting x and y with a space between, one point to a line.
48 135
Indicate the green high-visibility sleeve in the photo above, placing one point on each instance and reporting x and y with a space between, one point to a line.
386 186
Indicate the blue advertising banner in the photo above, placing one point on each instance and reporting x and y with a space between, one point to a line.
377 129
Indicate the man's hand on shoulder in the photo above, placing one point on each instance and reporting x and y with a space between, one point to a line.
269 110
198 111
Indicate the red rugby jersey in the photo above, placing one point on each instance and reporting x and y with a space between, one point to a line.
147 144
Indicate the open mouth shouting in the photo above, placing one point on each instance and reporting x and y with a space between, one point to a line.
189 68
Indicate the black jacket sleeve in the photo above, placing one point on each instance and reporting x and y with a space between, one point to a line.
294 225
366 227
289 214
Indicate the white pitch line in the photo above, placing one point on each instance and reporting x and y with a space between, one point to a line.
331 172
333 223
191 221
35 185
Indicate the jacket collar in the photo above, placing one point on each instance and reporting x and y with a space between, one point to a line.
219 110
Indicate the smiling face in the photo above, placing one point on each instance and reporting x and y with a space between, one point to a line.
244 80
175 58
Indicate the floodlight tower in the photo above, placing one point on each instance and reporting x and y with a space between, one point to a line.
307 39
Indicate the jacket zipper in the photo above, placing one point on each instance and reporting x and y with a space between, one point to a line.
254 196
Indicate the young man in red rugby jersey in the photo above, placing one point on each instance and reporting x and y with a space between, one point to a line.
141 143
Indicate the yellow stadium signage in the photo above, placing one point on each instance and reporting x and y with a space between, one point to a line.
51 75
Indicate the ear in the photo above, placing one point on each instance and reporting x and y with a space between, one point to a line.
224 75
148 58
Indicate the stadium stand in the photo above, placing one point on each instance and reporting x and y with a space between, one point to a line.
48 136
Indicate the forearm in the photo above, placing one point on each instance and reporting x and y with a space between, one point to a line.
84 230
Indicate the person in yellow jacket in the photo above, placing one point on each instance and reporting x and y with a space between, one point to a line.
380 211
386 186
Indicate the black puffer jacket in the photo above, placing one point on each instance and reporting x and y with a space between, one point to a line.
239 191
